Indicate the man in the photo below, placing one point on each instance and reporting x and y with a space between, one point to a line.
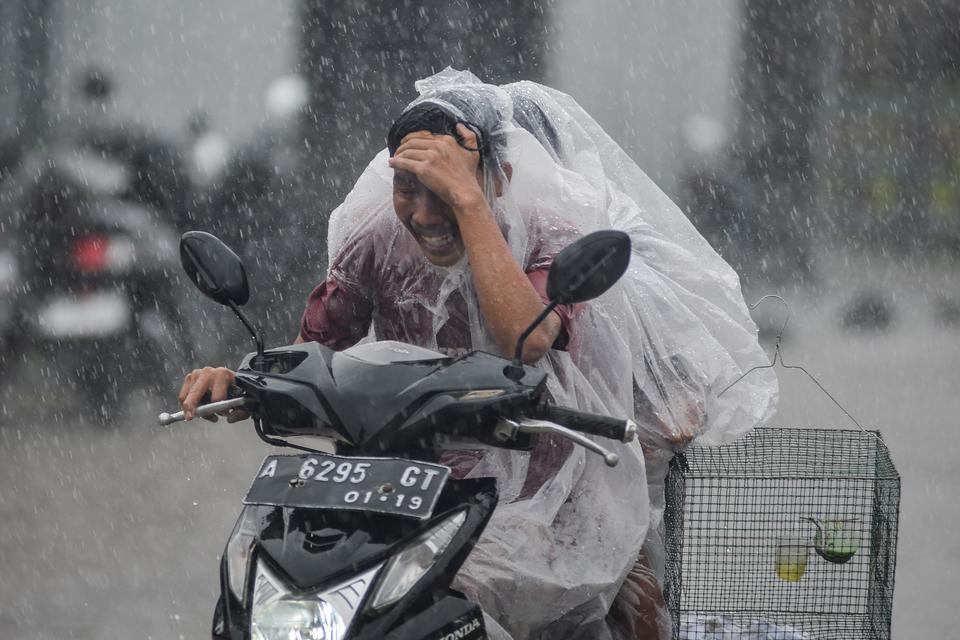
445 242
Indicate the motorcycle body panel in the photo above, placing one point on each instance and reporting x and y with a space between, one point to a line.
382 403
371 406
313 551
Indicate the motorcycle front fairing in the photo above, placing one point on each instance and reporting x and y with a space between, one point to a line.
381 398
341 562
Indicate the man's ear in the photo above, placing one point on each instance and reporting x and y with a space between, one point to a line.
508 172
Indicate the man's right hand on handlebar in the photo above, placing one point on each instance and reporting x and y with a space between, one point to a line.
215 381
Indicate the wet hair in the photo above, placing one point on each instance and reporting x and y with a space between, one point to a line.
482 117
528 115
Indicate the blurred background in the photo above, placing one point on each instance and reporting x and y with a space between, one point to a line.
815 143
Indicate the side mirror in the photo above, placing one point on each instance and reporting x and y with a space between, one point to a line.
587 268
584 270
214 268
219 274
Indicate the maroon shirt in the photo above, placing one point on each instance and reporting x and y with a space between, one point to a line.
338 316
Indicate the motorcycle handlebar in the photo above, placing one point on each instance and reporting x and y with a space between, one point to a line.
506 430
203 410
591 423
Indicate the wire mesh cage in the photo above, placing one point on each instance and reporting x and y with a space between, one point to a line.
786 534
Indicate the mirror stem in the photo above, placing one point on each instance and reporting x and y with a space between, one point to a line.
255 365
515 370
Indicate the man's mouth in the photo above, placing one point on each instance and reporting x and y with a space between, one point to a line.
438 241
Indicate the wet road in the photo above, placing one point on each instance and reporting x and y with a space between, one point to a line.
115 532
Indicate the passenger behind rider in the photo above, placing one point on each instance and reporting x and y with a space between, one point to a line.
639 611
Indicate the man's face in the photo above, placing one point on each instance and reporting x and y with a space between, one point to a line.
430 219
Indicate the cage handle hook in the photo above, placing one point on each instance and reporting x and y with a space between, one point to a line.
778 356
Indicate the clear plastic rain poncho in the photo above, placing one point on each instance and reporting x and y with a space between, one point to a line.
657 347
696 336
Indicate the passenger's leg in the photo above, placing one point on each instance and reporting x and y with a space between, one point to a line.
639 611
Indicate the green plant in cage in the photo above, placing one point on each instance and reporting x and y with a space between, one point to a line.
834 541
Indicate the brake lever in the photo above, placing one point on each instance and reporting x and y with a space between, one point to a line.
507 429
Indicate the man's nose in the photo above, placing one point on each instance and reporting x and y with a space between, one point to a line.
432 211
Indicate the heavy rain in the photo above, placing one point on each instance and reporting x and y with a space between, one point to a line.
815 144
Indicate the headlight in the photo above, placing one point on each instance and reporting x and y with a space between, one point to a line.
405 569
278 614
285 619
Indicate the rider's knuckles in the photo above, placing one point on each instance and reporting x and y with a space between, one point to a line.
404 164
442 147
185 387
197 390
429 153
413 135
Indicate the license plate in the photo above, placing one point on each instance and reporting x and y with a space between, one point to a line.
321 481
92 315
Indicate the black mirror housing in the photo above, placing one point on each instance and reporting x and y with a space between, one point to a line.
588 267
584 270
214 268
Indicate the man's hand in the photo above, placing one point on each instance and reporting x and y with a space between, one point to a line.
213 380
442 165
508 300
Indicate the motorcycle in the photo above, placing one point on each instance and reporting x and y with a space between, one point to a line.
365 543
88 255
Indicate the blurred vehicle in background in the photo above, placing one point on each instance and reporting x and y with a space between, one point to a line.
88 230
95 264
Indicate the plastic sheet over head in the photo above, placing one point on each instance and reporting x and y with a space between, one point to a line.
656 347
689 331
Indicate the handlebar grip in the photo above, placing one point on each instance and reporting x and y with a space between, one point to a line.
203 410
591 423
